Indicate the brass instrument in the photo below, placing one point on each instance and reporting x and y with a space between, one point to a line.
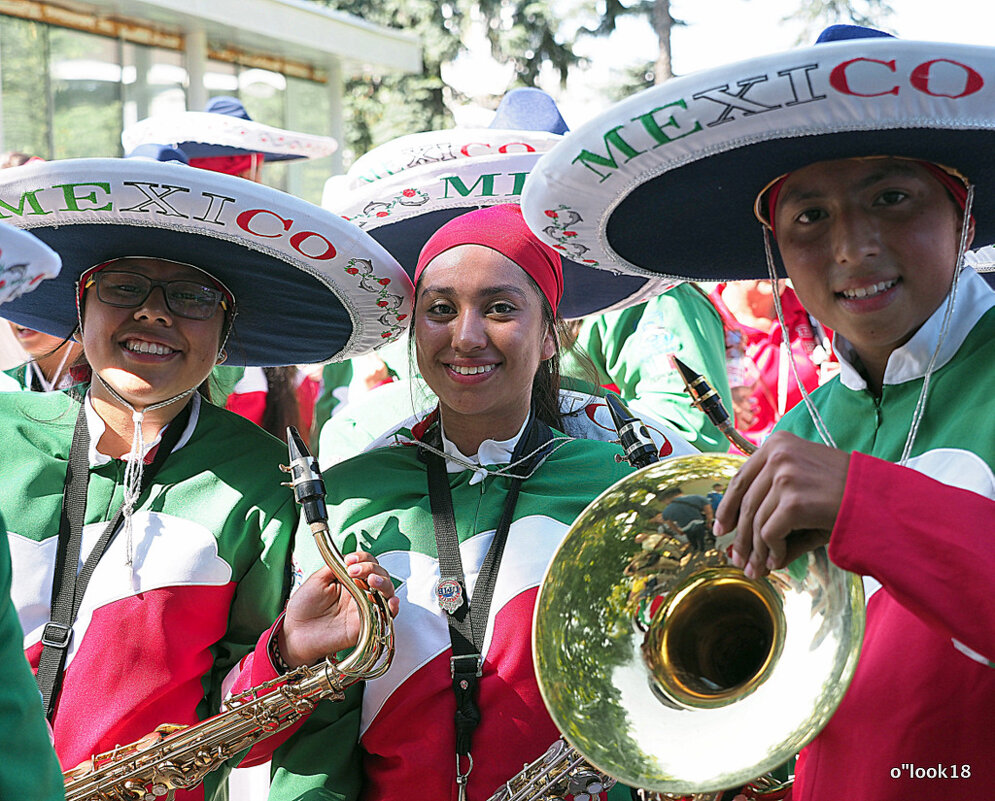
563 770
668 669
179 757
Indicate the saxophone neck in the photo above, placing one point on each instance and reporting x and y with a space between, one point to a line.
374 648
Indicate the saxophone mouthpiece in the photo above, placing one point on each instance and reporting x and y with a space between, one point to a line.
637 444
309 489
710 403
702 394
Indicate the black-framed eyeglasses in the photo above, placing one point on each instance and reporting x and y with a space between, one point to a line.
126 290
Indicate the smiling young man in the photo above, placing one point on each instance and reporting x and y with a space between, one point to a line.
862 157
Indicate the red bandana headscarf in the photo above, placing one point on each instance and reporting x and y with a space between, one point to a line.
501 228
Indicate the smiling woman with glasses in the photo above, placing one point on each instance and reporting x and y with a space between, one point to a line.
172 505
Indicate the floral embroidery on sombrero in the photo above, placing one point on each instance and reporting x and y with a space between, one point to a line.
15 276
378 209
562 227
390 303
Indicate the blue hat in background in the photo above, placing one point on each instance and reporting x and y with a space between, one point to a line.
837 33
156 152
225 104
223 129
528 109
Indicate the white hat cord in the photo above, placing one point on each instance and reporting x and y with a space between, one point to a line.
135 460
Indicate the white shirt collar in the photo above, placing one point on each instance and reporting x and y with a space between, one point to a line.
491 452
909 362
96 426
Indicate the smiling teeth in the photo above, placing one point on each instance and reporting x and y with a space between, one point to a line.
867 291
148 347
484 368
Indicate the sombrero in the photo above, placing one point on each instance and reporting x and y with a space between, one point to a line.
309 287
982 261
403 192
664 183
224 128
25 261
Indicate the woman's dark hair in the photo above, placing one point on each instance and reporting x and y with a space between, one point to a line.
14 158
282 408
546 383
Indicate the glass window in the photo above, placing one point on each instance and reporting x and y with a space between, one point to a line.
263 93
86 93
24 71
153 81
309 111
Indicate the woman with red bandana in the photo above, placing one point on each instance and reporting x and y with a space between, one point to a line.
491 452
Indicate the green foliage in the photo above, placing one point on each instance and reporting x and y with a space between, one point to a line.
817 14
525 33
632 79
381 107
610 11
25 92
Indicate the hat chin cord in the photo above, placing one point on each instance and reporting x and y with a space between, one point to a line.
920 409
135 464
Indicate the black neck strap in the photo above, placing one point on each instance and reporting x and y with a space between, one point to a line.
68 586
468 617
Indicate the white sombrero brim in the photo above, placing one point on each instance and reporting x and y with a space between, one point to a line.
25 261
202 134
435 147
309 286
664 182
402 213
982 261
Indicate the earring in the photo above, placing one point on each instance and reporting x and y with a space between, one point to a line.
222 356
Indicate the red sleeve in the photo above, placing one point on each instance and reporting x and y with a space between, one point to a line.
930 544
252 671
251 405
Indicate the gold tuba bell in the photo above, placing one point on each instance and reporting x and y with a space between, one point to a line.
662 663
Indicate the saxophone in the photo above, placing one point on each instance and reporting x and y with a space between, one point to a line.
180 757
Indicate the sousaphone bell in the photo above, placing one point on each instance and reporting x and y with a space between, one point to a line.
662 663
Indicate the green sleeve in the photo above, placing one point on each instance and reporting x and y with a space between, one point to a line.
223 379
322 759
261 591
29 769
631 347
335 378
12 380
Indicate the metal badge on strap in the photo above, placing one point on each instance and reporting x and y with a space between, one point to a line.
449 594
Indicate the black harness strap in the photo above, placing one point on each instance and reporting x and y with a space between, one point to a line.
468 621
68 586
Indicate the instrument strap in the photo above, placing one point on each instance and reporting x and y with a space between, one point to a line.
68 586
468 619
